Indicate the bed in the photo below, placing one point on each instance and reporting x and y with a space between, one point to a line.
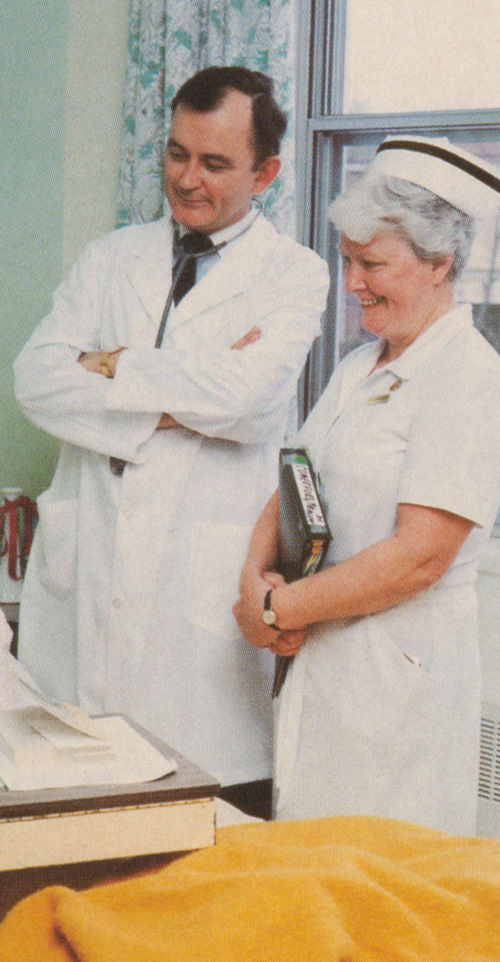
353 889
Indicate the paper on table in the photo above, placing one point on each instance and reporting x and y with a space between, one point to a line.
34 737
62 735
17 688
71 715
136 760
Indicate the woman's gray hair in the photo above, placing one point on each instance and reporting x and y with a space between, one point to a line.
432 227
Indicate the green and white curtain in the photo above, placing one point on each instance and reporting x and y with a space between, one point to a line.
169 40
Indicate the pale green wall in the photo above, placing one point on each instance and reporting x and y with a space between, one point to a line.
32 92
62 70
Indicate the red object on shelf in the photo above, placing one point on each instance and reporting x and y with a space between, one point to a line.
17 525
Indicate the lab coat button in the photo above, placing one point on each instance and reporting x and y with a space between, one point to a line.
127 514
118 602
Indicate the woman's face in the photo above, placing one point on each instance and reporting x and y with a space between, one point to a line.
400 295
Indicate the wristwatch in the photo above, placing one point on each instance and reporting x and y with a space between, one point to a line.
268 615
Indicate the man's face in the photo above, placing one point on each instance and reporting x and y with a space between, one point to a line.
209 175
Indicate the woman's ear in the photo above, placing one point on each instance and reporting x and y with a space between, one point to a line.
441 268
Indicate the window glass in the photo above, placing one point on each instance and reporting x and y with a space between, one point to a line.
405 55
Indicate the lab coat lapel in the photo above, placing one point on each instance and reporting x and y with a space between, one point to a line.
234 272
150 269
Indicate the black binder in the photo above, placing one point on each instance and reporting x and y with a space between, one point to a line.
304 534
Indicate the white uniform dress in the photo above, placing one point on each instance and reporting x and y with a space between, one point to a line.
381 714
127 600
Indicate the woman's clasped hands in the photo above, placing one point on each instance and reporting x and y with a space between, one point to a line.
248 610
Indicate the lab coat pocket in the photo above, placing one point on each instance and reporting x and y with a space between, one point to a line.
56 533
217 553
393 695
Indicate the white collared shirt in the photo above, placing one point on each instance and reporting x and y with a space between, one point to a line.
224 236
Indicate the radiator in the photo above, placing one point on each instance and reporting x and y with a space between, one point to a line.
488 819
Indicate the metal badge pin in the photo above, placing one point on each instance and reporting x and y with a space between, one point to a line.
379 399
384 398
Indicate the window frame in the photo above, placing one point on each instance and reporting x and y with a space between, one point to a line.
323 130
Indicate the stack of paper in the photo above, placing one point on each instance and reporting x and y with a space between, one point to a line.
39 735
49 745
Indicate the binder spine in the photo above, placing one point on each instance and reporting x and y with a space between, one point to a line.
304 532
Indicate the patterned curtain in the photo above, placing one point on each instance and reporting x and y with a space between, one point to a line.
169 40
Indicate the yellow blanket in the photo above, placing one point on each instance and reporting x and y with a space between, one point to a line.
328 890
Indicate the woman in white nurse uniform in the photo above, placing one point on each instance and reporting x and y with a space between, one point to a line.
380 711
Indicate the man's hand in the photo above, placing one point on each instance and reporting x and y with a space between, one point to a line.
101 362
167 421
249 338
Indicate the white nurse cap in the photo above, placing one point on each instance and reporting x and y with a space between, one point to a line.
460 178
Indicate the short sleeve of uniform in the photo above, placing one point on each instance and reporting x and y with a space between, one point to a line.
453 453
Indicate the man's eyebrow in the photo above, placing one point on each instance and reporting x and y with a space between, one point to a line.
174 143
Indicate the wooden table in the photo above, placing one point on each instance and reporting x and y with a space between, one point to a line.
188 782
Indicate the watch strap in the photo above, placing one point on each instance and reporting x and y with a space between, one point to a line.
268 615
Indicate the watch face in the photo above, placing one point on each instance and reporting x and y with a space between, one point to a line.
269 617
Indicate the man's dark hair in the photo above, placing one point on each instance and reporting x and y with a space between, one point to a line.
208 88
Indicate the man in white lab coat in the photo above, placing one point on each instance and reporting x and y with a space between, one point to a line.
170 452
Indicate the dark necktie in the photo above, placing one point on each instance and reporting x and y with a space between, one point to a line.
183 279
184 274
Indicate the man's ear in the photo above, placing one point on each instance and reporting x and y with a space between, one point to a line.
266 173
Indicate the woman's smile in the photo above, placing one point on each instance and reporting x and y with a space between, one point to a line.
400 295
372 303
